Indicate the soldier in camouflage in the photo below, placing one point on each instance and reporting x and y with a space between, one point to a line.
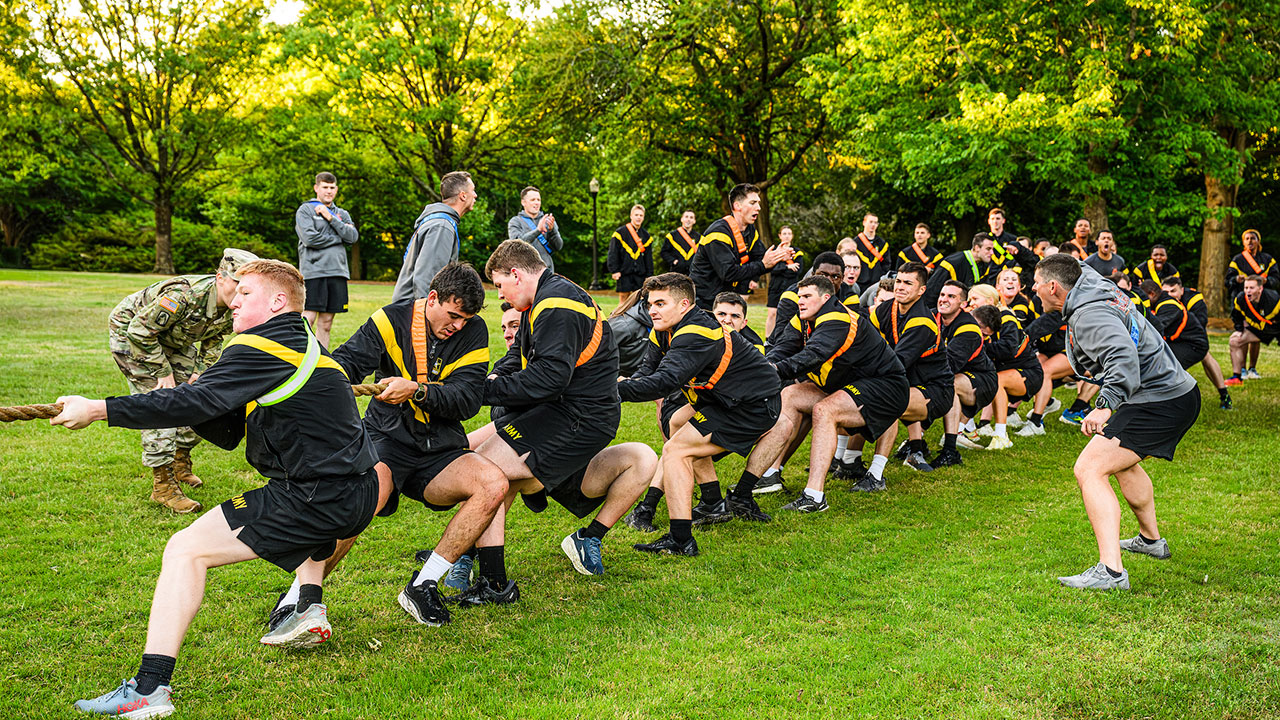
167 334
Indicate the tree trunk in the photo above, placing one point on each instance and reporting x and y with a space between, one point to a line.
163 207
966 227
1215 245
9 223
357 270
1095 206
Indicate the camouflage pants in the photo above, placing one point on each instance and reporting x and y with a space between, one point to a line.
158 446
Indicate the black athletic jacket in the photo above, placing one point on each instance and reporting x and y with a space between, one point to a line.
917 341
1262 317
455 370
1176 323
720 264
965 349
1049 333
1148 271
554 334
929 256
789 306
1009 347
1194 302
689 355
750 336
963 267
809 348
314 435
626 257
875 256
1240 265
677 253
1024 309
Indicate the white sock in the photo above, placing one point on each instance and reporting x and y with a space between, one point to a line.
852 456
433 569
1000 431
842 442
877 465
291 596
772 471
817 495
969 426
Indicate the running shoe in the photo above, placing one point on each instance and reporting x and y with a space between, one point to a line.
460 575
745 508
125 702
1158 549
999 442
806 504
666 545
1030 429
641 519
483 592
711 513
1072 417
583 552
306 629
916 461
423 602
1097 578
947 457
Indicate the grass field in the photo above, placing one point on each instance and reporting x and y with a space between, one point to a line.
937 599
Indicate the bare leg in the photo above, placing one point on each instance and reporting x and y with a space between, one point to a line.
1237 344
1213 371
1100 459
836 410
620 473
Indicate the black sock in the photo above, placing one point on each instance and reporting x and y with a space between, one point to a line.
681 530
471 553
1079 405
710 492
1223 393
594 530
1112 573
745 485
1253 368
1035 418
1147 540
156 670
651 498
920 446
309 595
983 423
493 567
949 441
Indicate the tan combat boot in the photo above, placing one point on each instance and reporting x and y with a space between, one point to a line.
165 491
182 468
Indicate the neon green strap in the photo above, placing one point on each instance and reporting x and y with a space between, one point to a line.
289 387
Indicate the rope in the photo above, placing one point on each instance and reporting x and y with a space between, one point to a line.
44 412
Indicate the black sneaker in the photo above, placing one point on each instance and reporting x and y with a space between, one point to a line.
423 555
422 602
916 461
1224 402
868 483
279 614
904 450
536 502
768 484
745 508
666 545
947 457
711 513
482 593
851 471
641 519
806 504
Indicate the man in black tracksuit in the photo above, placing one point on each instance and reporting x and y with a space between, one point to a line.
733 396
970 267
1193 301
974 375
1016 363
276 388
730 255
558 382
680 244
845 376
630 257
826 264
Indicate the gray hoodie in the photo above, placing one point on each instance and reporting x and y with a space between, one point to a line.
519 228
435 243
1109 338
322 250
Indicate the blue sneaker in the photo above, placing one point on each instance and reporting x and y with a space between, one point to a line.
1072 417
459 576
125 702
584 553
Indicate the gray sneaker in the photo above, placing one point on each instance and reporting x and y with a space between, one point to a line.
806 504
1097 578
125 702
460 575
1158 549
305 629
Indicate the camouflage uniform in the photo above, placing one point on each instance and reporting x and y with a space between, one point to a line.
175 326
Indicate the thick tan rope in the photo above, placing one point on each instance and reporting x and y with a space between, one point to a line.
44 412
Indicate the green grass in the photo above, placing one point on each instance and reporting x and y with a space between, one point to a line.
935 599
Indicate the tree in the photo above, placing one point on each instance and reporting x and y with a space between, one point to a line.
158 82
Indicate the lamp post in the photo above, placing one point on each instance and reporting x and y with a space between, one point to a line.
593 187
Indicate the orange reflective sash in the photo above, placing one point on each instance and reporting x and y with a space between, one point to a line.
725 359
1248 257
693 246
893 323
418 332
920 254
743 256
872 249
1252 309
590 350
635 237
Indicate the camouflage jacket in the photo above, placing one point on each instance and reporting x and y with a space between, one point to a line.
174 318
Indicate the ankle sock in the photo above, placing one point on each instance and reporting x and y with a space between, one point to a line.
651 498
771 472
681 530
877 466
949 441
309 595
1147 540
1035 419
596 529
155 670
1079 405
817 495
710 492
290 595
745 485
1000 431
433 569
1112 573
842 444
852 456
493 565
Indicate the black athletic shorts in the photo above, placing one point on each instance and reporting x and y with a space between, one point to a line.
775 294
1265 338
561 438
670 404
939 396
738 429
1191 352
881 401
287 521
411 469
1154 429
984 391
326 295
1032 379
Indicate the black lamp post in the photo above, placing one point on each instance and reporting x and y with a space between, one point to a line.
593 187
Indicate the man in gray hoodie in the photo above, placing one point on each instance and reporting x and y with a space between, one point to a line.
324 231
1145 404
535 227
435 242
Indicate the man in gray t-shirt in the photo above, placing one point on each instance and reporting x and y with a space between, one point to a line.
535 227
324 232
1106 261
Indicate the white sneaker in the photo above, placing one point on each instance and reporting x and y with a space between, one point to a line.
999 442
987 430
968 444
1054 406
1015 420
1030 429
1250 374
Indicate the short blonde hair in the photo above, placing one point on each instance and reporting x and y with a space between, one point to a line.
283 277
846 246
986 292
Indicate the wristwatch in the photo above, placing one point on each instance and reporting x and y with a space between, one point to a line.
420 394
1101 403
